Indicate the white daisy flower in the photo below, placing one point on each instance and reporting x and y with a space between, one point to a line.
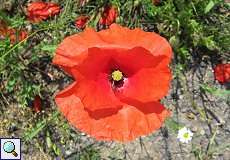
184 135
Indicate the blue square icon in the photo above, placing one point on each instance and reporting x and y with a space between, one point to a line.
10 148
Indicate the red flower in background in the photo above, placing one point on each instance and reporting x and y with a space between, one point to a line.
156 2
38 11
222 73
121 76
108 16
14 35
37 104
81 22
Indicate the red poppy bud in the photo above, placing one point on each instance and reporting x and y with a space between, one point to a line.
37 104
38 11
222 73
108 16
81 22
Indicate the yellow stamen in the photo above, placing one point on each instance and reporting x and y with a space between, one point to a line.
186 135
117 75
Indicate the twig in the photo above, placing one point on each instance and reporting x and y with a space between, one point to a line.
144 147
164 132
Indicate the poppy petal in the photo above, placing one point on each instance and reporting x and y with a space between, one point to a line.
153 86
73 49
38 11
108 16
37 104
95 94
81 21
124 124
222 73
13 34
36 6
125 38
128 61
132 60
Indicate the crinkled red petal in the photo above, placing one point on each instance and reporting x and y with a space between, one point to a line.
146 85
124 124
95 94
81 22
74 49
109 16
38 11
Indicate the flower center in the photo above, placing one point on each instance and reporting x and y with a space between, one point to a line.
186 135
117 75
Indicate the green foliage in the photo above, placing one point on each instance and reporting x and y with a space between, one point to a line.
89 153
16 75
51 145
188 23
216 91
4 46
209 6
40 125
172 125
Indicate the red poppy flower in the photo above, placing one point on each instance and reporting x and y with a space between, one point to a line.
38 11
37 104
81 22
108 16
14 35
121 75
222 73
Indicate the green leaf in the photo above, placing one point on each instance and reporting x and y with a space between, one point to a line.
49 48
56 150
215 91
30 134
172 125
34 132
10 85
48 140
184 53
210 5
209 42
174 41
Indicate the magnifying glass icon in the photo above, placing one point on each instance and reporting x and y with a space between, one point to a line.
9 147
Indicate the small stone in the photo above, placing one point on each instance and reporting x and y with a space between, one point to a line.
68 152
83 134
194 129
202 132
12 128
